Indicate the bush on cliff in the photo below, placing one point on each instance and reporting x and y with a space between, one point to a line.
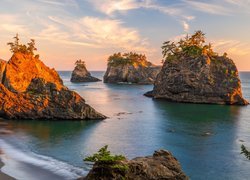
16 47
127 58
106 161
192 46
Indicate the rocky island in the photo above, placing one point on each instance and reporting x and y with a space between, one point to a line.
162 165
31 90
81 74
130 68
192 72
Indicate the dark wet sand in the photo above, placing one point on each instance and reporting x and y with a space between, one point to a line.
2 175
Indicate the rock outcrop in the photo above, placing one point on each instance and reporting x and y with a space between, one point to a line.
81 74
162 165
2 68
31 90
199 80
128 69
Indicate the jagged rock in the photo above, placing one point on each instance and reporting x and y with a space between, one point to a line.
81 74
162 165
199 80
31 90
131 74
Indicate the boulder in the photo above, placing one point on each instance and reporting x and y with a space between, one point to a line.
31 90
81 74
201 79
162 165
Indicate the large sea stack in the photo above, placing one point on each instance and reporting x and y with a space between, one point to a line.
81 74
162 165
194 73
31 90
130 68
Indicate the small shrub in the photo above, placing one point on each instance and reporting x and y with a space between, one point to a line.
104 156
245 152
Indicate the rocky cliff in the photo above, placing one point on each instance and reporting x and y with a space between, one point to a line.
162 165
128 69
31 90
81 74
196 74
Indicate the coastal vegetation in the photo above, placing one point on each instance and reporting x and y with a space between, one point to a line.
127 58
80 62
245 152
17 47
191 46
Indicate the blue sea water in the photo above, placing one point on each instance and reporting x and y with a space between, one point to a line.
206 139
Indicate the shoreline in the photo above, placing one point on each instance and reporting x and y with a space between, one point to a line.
3 175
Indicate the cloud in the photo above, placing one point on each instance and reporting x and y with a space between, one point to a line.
94 32
232 47
110 7
211 8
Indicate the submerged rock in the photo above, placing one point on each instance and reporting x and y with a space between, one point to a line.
196 74
130 68
81 74
31 90
162 165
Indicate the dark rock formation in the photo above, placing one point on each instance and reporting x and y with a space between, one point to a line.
199 80
162 165
81 74
130 68
31 90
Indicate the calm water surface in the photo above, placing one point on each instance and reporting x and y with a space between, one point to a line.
206 139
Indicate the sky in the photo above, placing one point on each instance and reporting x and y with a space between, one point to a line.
92 30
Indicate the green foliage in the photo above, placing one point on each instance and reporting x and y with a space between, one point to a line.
245 152
80 62
192 46
104 156
120 167
127 58
16 47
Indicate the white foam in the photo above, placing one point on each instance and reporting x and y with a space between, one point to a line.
15 158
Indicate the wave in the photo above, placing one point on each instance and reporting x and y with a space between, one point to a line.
22 164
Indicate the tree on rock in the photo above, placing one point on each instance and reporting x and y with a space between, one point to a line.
16 47
80 62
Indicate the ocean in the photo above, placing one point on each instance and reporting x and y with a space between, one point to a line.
206 139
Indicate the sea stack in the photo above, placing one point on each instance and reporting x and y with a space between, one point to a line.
31 90
130 68
81 74
194 73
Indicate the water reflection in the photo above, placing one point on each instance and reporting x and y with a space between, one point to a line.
205 136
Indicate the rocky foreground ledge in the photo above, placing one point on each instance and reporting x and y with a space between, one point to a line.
31 90
162 165
194 73
130 68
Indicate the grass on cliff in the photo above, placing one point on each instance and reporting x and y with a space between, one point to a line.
127 59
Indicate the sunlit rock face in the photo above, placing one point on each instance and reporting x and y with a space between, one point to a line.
2 68
81 74
132 73
199 80
31 90
162 165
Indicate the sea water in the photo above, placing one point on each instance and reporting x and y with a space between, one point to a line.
206 139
